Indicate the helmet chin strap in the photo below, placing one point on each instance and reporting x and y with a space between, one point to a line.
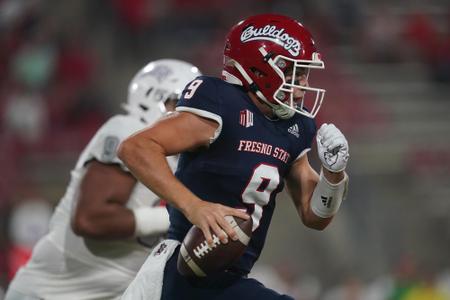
279 110
283 112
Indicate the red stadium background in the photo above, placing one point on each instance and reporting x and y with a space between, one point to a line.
65 67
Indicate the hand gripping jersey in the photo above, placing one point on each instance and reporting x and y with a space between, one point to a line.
66 266
246 162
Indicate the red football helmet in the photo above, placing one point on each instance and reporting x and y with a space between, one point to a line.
268 55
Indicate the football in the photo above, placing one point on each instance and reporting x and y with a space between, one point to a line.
197 258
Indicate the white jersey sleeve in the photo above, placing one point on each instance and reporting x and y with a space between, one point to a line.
103 146
67 266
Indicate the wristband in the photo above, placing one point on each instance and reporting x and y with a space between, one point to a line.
327 197
150 220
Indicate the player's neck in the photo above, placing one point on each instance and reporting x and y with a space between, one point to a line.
263 107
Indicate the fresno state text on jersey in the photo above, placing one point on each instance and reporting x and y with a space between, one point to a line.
247 159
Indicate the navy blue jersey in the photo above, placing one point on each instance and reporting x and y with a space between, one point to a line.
246 163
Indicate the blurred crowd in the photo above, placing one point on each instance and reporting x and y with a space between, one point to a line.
65 67
404 282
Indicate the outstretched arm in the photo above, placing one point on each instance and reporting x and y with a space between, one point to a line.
145 155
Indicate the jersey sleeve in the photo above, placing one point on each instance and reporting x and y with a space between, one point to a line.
201 98
104 145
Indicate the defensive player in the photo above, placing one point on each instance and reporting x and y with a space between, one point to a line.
241 138
104 226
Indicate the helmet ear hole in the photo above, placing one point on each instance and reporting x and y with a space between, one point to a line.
258 73
227 46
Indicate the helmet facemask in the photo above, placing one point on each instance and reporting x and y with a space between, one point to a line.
291 71
265 53
283 101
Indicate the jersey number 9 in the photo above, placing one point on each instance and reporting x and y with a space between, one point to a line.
264 181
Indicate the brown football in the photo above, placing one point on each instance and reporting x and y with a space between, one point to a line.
197 258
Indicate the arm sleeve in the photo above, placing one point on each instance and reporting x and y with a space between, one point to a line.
103 146
201 98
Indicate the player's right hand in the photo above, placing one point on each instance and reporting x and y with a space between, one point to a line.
210 218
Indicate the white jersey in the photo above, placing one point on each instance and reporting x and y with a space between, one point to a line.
67 266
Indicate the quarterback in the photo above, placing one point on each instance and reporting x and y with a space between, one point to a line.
107 222
242 138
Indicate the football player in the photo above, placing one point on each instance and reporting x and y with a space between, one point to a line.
107 222
241 139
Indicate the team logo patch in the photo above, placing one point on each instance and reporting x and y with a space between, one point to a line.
160 249
110 148
294 130
246 118
273 34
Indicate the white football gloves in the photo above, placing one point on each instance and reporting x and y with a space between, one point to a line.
332 147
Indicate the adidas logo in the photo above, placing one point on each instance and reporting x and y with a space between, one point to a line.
294 130
326 201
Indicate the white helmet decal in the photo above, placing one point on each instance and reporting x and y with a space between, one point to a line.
273 34
160 72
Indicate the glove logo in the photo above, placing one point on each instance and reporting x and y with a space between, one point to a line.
330 158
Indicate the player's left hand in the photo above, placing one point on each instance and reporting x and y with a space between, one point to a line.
332 147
